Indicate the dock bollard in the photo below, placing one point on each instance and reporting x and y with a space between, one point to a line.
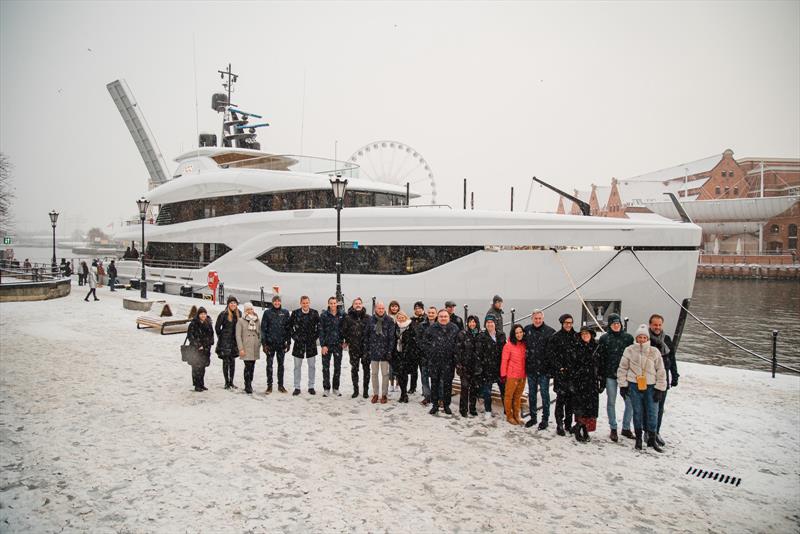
774 352
513 316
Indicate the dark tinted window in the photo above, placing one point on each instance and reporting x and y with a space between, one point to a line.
183 255
191 210
371 259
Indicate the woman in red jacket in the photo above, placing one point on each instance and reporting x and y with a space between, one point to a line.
512 372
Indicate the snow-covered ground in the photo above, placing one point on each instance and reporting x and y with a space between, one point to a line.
101 431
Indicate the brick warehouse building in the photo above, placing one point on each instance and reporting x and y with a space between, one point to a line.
734 226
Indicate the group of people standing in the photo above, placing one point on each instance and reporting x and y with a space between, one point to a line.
433 345
96 275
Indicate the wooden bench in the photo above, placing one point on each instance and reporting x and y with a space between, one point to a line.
165 321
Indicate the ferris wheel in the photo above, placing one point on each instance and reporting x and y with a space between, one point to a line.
396 163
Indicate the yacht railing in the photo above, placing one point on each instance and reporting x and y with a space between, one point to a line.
291 162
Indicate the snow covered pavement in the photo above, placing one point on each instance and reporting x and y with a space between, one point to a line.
101 431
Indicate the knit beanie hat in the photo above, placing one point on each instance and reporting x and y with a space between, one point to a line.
232 299
642 331
419 304
614 318
496 299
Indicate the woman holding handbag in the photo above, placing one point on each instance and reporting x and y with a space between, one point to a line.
641 375
201 336
248 339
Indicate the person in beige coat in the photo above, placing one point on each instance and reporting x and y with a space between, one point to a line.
248 339
641 375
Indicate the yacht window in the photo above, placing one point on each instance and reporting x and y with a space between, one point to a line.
183 255
370 259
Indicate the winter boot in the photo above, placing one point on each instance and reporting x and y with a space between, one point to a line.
638 438
651 442
578 434
296 392
531 422
434 410
447 410
560 430
366 392
659 440
463 413
355 393
543 425
614 436
269 390
628 434
281 389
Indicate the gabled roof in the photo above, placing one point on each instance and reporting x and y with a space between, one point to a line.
679 171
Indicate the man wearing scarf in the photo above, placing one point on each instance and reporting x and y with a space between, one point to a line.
663 343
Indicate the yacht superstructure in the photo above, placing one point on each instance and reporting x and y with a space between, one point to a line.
268 221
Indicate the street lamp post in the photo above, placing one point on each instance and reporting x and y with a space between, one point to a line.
53 218
339 186
143 203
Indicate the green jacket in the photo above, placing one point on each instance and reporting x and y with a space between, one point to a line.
610 348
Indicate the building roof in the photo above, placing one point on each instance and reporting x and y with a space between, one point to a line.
679 171
735 209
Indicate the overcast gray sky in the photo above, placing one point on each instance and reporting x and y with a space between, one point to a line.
494 92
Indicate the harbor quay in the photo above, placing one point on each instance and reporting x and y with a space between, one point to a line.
101 431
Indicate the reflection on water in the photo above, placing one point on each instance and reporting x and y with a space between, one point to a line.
747 311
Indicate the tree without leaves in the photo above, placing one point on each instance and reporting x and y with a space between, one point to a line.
6 193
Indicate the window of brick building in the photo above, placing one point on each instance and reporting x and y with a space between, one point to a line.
775 229
717 190
736 190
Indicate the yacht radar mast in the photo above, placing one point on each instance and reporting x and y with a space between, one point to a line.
236 128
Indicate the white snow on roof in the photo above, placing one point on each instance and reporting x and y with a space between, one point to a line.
679 171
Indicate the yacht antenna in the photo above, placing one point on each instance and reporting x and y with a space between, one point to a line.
228 86
585 208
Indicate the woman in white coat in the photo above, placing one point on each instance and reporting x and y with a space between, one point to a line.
91 278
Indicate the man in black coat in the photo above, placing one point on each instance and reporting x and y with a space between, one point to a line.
353 327
276 337
660 340
562 351
112 275
330 341
440 343
537 367
416 320
380 341
422 353
305 333
450 306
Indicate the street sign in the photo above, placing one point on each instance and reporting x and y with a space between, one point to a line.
8 241
348 244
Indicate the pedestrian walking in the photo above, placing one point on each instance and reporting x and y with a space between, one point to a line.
91 279
227 350
490 343
440 345
276 339
512 372
354 325
380 339
538 367
330 340
248 340
496 313
610 348
661 341
305 333
641 375
587 381
562 351
467 362
200 335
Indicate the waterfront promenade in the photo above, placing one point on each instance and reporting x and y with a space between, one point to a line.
100 431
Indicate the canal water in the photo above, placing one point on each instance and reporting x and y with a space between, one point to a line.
747 311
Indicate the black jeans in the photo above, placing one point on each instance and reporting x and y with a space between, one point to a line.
470 387
249 368
441 384
92 292
198 376
564 409
277 353
336 352
228 369
356 361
